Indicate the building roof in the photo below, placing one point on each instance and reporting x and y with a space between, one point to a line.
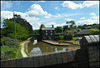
48 28
72 31
84 31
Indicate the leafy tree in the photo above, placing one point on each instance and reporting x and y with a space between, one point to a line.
21 32
58 37
94 31
71 23
23 23
69 36
42 26
59 29
65 28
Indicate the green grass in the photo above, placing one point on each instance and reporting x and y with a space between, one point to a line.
19 55
75 38
8 52
25 46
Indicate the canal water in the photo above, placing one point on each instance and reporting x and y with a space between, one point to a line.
41 48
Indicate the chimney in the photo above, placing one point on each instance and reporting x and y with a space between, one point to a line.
52 26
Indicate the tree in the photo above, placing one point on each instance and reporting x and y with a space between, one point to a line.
69 36
21 32
59 29
23 23
65 28
42 26
94 31
71 23
58 37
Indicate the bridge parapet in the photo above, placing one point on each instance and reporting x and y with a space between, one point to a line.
87 56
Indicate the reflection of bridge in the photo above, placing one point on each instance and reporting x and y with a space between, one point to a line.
87 56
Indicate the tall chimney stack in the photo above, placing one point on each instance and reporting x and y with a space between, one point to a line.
52 26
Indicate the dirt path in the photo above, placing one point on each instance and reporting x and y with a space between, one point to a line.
22 48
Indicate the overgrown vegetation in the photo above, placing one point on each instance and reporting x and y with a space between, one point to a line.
10 47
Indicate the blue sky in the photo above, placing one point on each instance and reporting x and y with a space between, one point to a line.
55 13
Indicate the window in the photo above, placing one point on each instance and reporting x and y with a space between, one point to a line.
46 33
51 30
51 33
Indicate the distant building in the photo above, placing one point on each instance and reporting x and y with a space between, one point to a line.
47 33
82 33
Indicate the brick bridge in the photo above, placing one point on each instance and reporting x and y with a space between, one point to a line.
86 56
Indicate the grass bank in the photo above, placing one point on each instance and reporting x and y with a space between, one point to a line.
19 54
25 48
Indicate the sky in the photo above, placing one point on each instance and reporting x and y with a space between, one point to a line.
50 13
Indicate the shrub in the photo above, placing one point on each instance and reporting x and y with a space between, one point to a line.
8 52
9 41
58 37
69 36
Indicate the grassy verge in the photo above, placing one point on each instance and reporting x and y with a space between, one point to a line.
19 54
75 38
25 46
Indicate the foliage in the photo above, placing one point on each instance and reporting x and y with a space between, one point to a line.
35 32
8 52
78 29
65 28
19 54
42 26
21 32
58 37
9 41
94 31
25 46
23 23
69 36
85 26
71 23
58 29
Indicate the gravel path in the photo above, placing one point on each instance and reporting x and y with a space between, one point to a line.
22 48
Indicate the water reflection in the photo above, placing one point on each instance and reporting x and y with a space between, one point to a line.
43 48
35 51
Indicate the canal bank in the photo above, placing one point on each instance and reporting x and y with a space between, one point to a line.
55 43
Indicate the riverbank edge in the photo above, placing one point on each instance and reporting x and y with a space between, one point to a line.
55 44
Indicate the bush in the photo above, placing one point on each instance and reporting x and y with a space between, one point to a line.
58 37
69 36
9 41
8 52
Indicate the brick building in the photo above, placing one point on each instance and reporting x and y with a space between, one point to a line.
47 33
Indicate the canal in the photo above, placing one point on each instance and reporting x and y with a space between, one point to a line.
41 48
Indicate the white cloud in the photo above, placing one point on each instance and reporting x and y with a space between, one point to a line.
93 14
91 4
69 19
35 10
48 16
73 5
83 18
6 5
57 8
55 24
9 14
91 20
